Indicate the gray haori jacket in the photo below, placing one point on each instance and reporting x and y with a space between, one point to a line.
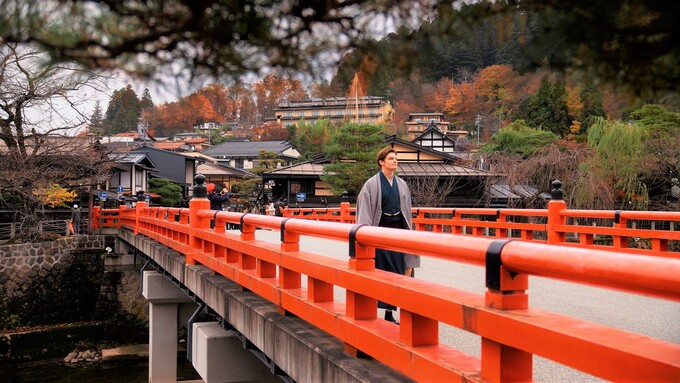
369 208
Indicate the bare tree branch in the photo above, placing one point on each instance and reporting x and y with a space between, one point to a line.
40 110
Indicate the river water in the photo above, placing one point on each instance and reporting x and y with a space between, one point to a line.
121 371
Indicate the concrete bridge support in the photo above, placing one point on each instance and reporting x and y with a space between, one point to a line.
169 308
219 357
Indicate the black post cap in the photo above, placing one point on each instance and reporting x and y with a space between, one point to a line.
556 193
200 191
140 195
345 196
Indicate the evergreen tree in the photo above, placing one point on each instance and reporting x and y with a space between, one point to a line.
267 160
518 138
311 139
146 102
352 150
97 120
657 121
547 109
591 98
122 114
660 169
170 192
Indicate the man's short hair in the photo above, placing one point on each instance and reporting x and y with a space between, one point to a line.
382 154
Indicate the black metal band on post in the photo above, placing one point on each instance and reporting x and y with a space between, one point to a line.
242 217
494 263
617 216
353 239
215 217
453 213
498 213
283 228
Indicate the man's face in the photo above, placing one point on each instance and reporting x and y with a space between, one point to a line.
390 162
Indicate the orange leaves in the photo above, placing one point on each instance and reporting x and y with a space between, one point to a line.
462 100
494 90
201 109
493 83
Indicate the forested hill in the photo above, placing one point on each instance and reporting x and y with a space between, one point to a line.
605 42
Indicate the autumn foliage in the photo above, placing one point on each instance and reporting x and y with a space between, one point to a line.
54 195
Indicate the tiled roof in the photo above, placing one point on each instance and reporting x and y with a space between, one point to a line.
169 145
406 169
232 149
412 169
131 158
222 170
305 168
516 192
197 140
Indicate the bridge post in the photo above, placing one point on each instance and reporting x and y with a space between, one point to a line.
620 242
344 208
165 308
199 201
139 209
359 306
555 217
96 211
506 291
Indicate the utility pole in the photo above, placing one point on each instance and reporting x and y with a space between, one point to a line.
478 122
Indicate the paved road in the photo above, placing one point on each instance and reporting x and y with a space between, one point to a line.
649 316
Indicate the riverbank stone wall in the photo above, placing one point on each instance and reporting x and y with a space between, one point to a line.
51 282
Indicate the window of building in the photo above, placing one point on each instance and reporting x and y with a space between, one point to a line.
238 163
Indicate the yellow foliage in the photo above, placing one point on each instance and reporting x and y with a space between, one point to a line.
574 130
54 195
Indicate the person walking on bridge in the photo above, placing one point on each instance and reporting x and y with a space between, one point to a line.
385 201
75 219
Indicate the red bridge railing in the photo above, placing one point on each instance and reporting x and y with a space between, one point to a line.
510 331
640 232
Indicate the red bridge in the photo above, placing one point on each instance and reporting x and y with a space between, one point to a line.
631 251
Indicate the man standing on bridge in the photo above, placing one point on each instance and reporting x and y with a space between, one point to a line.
385 201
